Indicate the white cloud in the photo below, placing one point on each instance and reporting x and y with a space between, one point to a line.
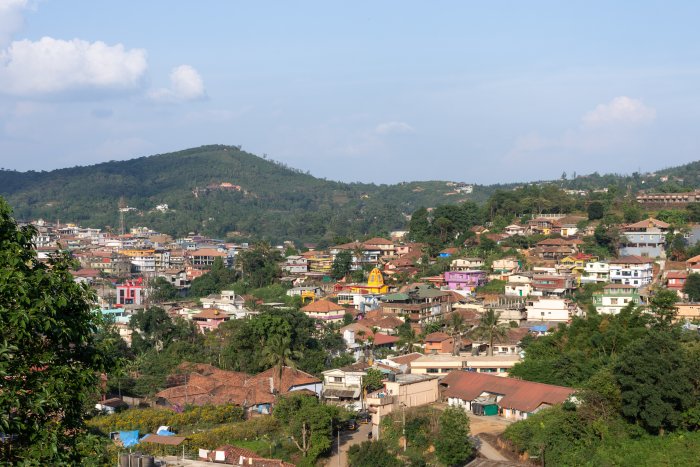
620 110
11 19
53 66
388 128
611 126
186 84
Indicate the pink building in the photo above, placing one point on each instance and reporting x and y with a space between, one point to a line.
210 319
467 281
130 293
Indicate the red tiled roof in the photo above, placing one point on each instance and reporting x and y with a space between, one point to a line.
406 359
436 337
525 396
646 223
322 306
378 241
384 339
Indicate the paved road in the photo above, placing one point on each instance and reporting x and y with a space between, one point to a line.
347 439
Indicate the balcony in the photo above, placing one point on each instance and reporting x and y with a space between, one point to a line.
380 399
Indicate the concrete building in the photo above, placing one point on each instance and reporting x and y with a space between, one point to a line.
632 270
614 298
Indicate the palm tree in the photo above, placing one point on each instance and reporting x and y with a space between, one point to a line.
490 328
408 341
457 327
278 353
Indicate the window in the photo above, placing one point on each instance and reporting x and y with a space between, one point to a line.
337 379
432 370
613 301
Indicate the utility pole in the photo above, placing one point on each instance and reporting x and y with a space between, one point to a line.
403 412
338 446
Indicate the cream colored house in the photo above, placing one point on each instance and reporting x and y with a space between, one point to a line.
440 365
404 392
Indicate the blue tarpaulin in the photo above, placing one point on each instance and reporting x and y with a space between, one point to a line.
164 432
129 438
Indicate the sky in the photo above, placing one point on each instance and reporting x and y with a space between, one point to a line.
370 91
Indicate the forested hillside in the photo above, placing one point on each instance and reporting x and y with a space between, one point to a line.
274 201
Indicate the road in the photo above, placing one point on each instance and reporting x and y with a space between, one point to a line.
347 439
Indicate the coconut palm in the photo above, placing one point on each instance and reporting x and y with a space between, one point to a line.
456 325
408 341
489 328
278 353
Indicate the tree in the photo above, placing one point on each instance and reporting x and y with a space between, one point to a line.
50 356
373 380
656 382
457 327
663 305
342 264
490 328
419 227
155 329
308 423
259 265
452 446
162 290
596 210
692 287
372 454
278 354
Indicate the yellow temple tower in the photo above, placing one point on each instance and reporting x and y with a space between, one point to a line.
375 284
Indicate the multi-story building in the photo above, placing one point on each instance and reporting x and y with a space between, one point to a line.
142 261
596 272
550 284
467 264
466 281
632 270
131 293
645 238
296 264
552 309
614 298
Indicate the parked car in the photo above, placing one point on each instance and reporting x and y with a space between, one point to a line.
351 425
364 417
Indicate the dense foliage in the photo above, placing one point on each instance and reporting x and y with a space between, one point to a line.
50 353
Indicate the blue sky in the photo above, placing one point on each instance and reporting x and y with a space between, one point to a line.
381 92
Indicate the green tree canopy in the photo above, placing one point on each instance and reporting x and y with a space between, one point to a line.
50 357
453 446
692 287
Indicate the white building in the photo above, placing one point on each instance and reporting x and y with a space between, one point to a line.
632 270
552 309
519 285
595 272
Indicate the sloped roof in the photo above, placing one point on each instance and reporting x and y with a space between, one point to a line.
525 396
646 223
406 359
211 313
290 378
322 306
384 339
631 260
378 241
436 337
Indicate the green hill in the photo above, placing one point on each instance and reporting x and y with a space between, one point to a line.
275 201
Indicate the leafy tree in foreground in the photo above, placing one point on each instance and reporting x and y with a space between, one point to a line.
50 357
308 423
656 381
452 446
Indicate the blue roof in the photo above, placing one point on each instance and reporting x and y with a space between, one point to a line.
539 328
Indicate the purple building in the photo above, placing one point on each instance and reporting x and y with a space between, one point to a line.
466 281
